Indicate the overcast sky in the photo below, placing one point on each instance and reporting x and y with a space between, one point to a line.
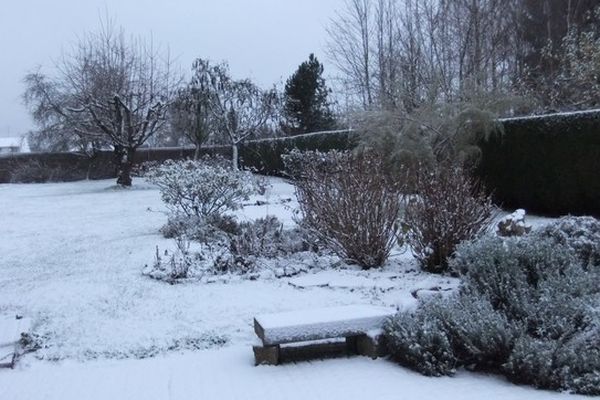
261 39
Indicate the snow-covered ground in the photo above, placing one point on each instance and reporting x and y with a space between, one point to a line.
71 257
230 374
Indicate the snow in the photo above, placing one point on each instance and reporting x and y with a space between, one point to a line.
300 136
551 115
13 141
72 257
230 374
16 143
11 329
322 323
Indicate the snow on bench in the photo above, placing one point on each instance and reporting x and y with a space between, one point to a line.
11 329
350 322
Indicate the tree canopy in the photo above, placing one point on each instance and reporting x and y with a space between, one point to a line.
306 107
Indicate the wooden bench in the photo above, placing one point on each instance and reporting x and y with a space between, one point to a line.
359 325
11 329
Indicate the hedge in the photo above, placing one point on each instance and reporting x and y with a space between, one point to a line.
548 165
263 156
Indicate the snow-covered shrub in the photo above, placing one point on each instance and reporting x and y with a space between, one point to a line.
202 189
266 237
580 234
445 333
560 365
527 308
482 337
174 266
513 225
349 202
511 273
419 341
448 208
202 230
224 247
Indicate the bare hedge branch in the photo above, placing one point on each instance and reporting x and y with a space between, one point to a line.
348 202
449 207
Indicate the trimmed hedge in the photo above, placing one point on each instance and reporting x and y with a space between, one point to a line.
548 165
265 155
66 167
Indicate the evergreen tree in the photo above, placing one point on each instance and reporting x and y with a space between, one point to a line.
306 106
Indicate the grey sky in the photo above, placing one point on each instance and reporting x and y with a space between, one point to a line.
262 39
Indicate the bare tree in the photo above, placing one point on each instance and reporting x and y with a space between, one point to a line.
239 107
350 47
191 114
419 52
109 89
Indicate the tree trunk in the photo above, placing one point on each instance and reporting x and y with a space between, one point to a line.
234 156
197 152
124 161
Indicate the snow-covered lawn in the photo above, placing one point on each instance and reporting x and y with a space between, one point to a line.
229 374
71 259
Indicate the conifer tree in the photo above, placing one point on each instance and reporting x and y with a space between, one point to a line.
306 105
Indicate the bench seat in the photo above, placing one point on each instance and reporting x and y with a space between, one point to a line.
351 322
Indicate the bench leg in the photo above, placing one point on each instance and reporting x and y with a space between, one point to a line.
352 344
266 355
371 346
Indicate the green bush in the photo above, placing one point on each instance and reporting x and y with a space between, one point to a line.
527 309
419 341
580 234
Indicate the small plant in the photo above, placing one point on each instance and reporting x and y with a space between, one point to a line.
348 202
202 189
174 266
447 209
267 238
513 225
201 230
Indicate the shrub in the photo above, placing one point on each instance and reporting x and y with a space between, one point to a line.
552 364
266 237
174 266
448 208
530 280
225 247
527 308
348 202
419 341
37 171
202 230
202 189
513 225
580 234
446 333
